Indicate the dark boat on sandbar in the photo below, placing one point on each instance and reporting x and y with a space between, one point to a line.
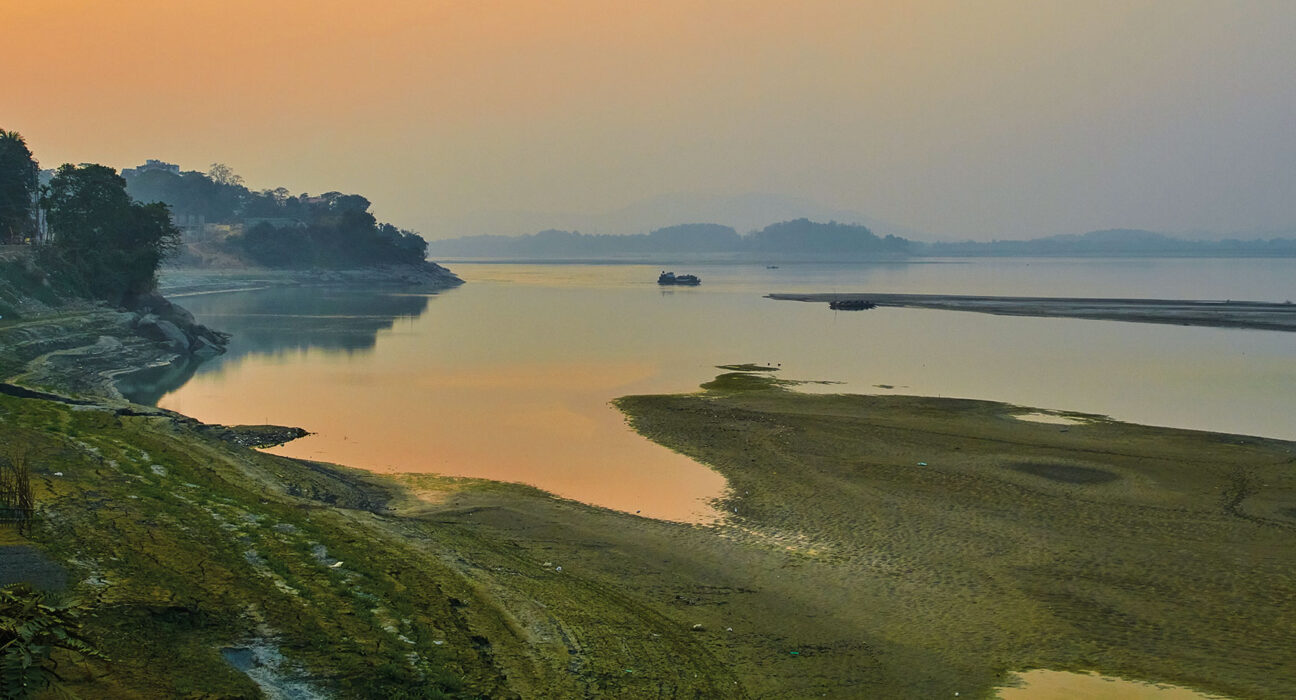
672 278
851 305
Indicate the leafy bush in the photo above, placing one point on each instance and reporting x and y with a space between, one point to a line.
32 626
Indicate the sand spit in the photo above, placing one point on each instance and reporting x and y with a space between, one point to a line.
1227 313
955 541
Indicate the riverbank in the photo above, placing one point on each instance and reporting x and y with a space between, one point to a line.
848 568
845 568
181 282
1225 314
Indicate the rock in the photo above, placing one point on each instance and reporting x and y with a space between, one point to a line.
204 348
174 335
153 328
156 304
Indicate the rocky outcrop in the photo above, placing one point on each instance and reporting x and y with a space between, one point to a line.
174 327
81 348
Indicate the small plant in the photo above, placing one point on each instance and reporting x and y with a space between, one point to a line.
32 626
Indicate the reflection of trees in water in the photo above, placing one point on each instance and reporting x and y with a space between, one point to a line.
280 321
148 386
276 321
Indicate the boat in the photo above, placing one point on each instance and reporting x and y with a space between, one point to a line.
851 305
672 278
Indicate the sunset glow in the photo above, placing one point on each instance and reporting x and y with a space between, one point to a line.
962 120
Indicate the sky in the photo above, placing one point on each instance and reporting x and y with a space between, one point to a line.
962 120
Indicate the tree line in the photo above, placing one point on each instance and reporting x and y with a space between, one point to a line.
787 238
108 233
331 230
104 244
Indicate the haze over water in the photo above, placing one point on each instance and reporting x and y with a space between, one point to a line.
509 377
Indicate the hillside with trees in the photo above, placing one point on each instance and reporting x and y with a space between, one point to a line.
1116 243
271 227
796 239
802 236
552 243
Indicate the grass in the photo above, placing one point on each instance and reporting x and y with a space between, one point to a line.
188 549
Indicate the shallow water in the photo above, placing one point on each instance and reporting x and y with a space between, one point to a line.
509 376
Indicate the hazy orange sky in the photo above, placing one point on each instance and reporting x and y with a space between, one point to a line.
961 119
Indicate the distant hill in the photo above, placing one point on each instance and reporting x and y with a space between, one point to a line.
1115 243
796 239
743 212
553 243
803 239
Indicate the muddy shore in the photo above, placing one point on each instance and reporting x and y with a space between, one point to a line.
1225 313
950 538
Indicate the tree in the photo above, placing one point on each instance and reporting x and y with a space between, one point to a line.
222 174
112 244
19 179
350 202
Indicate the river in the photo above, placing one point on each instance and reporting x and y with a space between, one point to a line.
509 377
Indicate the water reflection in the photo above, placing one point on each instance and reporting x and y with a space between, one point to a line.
296 319
148 386
277 322
509 377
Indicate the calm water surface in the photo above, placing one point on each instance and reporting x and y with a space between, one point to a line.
509 376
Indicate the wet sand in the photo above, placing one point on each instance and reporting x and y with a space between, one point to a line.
1224 313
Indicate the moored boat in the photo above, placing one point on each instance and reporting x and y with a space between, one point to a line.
851 305
672 278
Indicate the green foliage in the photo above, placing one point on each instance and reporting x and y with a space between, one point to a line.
338 234
18 184
191 193
333 230
111 244
267 245
32 627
